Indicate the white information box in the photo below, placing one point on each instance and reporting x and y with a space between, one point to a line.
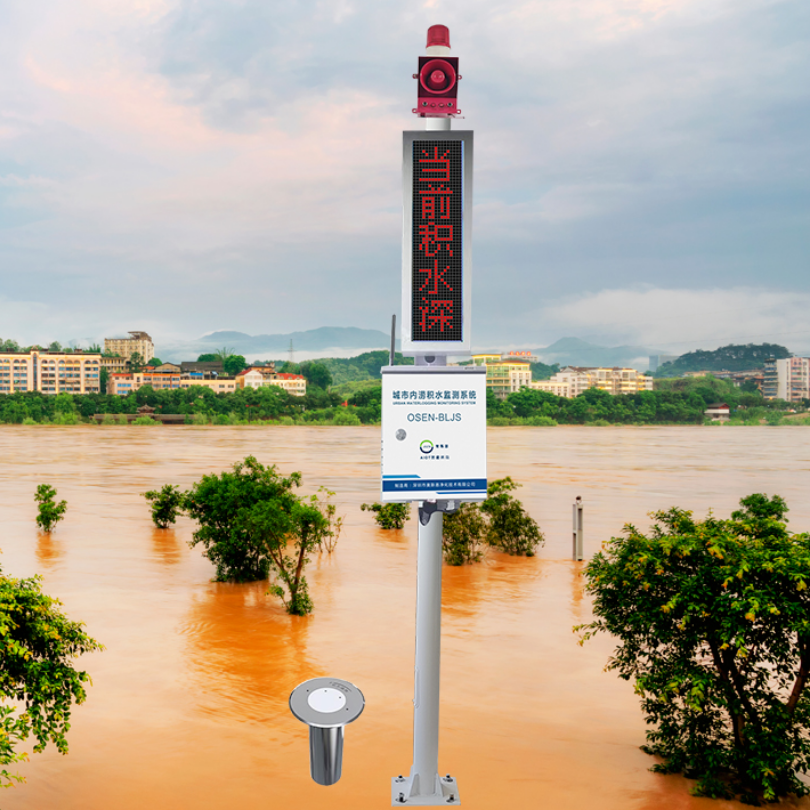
434 433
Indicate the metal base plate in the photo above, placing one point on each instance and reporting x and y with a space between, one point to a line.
446 793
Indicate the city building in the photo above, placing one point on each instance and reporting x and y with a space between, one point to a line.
115 365
526 357
50 372
770 379
793 379
718 412
207 367
139 342
260 376
504 376
126 383
571 381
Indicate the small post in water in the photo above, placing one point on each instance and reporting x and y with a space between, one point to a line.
578 555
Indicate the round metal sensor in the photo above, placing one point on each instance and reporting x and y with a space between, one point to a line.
326 701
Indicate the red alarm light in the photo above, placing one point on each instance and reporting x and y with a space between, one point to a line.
438 77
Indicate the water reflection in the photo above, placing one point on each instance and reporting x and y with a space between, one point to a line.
245 654
167 548
49 551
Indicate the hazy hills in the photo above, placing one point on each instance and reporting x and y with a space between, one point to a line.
338 341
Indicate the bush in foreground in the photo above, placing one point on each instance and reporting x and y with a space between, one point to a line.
713 619
36 674
49 511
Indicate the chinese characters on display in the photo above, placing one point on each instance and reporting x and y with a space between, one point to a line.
437 240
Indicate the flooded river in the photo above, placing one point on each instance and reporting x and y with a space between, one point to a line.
189 703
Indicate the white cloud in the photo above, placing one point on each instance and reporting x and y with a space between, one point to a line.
681 320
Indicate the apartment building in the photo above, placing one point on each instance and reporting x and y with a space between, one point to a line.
138 342
792 379
123 384
260 376
571 381
49 372
505 373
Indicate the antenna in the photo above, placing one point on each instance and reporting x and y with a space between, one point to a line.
292 354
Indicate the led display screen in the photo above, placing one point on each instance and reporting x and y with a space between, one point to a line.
437 258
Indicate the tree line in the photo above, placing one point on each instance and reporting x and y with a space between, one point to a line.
680 401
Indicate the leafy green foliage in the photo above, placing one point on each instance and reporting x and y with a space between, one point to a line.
207 358
541 371
510 528
499 521
316 374
250 516
713 620
389 515
167 503
233 364
462 534
145 420
37 645
50 512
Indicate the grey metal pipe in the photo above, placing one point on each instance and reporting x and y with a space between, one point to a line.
325 754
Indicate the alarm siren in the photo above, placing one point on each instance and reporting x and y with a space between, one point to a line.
438 77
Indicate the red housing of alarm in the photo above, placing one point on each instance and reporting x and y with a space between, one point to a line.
438 77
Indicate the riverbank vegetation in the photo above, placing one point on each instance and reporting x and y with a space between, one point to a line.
679 401
713 623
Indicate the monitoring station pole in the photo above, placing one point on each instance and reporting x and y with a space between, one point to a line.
434 415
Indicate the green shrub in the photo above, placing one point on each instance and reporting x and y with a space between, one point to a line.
122 419
108 419
66 418
38 678
29 421
389 515
510 528
541 421
249 521
145 420
344 416
462 533
713 623
167 503
50 512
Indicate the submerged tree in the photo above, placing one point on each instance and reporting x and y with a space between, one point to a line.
49 512
167 503
462 534
389 515
36 670
248 519
713 619
511 528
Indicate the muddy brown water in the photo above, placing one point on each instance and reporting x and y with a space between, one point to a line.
189 702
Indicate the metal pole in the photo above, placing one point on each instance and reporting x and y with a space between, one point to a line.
425 770
578 553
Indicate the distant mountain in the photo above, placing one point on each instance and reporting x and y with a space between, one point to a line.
572 351
747 357
312 340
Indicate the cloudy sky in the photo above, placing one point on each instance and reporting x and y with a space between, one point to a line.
184 166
